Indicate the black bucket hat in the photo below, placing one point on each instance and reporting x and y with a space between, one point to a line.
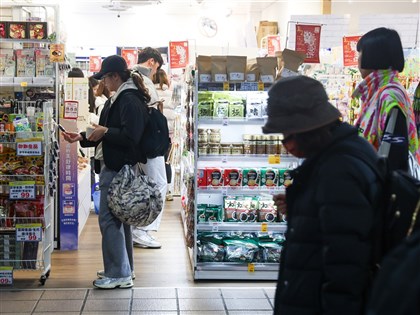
298 104
112 63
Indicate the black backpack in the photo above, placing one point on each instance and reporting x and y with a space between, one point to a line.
399 215
155 141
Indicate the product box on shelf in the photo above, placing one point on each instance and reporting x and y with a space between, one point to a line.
250 177
25 63
269 177
18 30
37 30
232 177
214 176
7 65
3 29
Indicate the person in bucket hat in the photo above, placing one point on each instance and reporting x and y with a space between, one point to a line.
326 260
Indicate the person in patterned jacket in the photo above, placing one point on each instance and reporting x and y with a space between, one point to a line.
381 58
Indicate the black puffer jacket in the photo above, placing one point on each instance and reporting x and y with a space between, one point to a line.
126 120
326 263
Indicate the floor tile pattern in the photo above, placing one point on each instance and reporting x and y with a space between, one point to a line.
139 301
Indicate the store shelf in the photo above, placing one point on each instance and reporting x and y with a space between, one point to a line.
27 85
241 226
242 157
231 121
236 271
239 87
25 41
224 190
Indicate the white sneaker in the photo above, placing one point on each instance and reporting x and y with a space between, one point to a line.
112 283
143 239
101 274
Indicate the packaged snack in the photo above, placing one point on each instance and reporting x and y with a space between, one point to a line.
252 71
230 209
25 62
214 213
236 109
218 69
37 30
7 63
240 250
236 68
201 213
250 177
17 30
221 108
204 68
214 177
205 108
3 29
267 210
44 67
268 69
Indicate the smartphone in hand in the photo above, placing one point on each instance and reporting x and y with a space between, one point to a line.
61 128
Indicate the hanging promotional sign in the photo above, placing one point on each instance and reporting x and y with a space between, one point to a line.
130 57
350 54
95 63
57 53
273 44
178 54
308 39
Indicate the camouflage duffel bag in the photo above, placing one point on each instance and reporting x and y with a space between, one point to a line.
134 199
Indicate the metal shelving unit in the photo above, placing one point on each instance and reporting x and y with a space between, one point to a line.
233 128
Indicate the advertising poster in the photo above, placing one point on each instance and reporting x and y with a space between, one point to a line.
57 53
178 54
95 63
308 39
130 57
350 54
273 44
69 222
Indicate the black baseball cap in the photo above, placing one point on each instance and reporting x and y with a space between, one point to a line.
112 63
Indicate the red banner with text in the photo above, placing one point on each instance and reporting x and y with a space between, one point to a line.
178 54
350 54
308 39
273 44
130 57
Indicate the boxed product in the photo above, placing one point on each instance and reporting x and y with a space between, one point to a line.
25 62
201 178
7 64
43 66
17 30
285 177
214 176
3 29
37 30
236 68
269 177
250 177
232 177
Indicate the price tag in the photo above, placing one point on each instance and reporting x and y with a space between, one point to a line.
274 159
30 148
29 232
225 86
22 190
260 86
23 84
264 227
214 226
251 267
224 158
225 121
6 275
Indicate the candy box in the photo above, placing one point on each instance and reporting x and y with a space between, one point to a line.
17 30
214 176
37 30
3 29
232 177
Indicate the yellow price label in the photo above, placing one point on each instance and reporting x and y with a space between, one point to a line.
264 227
225 86
23 84
274 159
260 86
251 267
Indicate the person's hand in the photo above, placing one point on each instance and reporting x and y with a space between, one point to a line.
97 133
280 202
72 136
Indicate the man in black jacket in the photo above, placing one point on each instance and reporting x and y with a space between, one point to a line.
326 263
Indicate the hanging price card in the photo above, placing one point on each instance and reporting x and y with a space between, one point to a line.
274 159
6 275
251 267
225 86
23 84
214 226
29 232
260 86
29 148
22 190
264 227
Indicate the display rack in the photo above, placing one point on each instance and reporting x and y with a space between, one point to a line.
224 247
29 89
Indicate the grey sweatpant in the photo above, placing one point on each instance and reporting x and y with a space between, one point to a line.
117 242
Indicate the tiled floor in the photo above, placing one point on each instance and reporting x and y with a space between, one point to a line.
150 301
